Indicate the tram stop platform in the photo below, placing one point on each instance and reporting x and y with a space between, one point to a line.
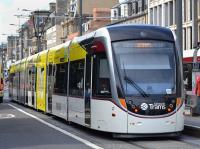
192 125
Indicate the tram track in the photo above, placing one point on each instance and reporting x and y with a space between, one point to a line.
107 142
184 142
194 141
136 145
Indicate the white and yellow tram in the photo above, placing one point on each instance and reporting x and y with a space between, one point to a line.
123 79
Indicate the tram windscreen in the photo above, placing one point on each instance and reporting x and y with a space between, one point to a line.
146 66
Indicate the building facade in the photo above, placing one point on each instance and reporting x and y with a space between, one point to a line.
130 11
53 36
26 35
71 27
163 12
3 58
13 48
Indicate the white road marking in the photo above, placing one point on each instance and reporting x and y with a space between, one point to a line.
90 144
6 116
192 126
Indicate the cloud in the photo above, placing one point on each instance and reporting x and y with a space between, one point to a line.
9 8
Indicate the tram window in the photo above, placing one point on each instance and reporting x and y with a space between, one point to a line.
76 76
41 79
60 86
50 70
101 77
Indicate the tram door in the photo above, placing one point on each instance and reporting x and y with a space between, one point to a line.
88 89
50 82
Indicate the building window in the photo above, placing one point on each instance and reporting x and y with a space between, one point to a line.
190 9
184 38
129 9
166 14
151 16
155 18
184 10
115 13
145 4
126 10
190 45
139 6
160 14
171 13
198 7
134 8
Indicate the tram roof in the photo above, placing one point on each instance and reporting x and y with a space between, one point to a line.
58 54
12 68
134 32
23 64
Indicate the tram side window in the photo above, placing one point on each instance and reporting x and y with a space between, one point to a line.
76 81
60 86
12 80
29 79
101 77
40 79
34 73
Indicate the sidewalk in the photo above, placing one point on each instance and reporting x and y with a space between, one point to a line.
192 125
192 121
6 93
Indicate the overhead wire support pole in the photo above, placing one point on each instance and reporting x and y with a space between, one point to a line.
179 24
80 17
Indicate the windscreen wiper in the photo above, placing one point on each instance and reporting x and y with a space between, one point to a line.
133 84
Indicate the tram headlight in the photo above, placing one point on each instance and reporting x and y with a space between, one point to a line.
169 109
136 110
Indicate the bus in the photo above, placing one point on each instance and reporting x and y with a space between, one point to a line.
122 79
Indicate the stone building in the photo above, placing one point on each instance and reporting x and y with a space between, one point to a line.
163 12
12 48
130 11
70 27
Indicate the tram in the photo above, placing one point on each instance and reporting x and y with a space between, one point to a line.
123 79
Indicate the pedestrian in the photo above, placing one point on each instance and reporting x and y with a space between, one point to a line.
197 93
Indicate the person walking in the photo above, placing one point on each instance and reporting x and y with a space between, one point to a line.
197 93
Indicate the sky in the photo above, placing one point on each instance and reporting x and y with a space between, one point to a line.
9 8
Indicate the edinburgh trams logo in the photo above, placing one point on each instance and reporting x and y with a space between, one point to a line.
153 106
144 106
